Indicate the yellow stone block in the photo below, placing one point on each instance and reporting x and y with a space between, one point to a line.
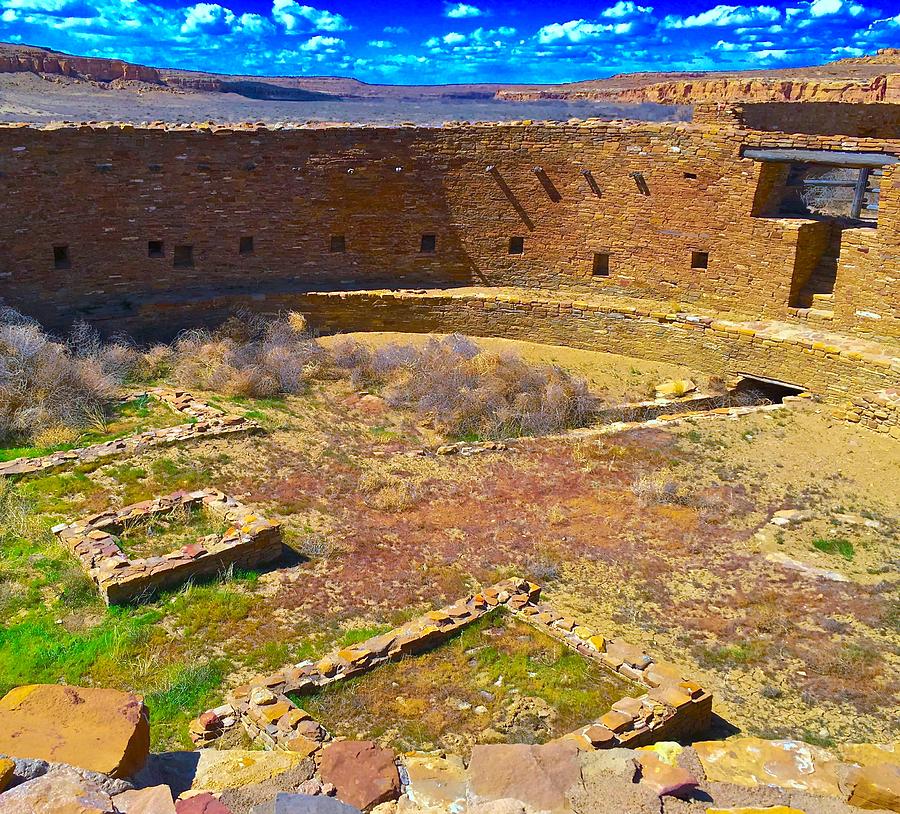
666 751
583 632
744 810
598 642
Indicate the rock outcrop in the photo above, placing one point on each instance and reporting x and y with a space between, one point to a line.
27 59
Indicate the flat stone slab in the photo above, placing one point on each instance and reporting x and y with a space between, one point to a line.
787 764
218 770
304 804
537 776
101 730
363 773
61 791
435 781
153 800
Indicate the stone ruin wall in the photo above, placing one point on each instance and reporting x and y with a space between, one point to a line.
879 121
655 194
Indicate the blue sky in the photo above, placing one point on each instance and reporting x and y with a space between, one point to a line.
426 42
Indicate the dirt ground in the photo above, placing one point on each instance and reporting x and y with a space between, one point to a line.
661 536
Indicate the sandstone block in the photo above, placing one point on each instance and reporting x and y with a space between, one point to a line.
537 776
62 791
755 762
435 781
877 787
218 770
303 804
753 810
201 804
666 780
363 773
154 800
96 729
7 767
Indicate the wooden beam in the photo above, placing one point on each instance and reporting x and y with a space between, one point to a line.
835 158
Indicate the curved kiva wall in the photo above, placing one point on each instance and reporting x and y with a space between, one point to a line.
725 348
654 202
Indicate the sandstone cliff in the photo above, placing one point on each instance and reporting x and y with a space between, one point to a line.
35 60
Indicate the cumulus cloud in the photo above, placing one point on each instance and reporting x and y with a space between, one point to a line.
380 44
461 10
727 16
576 31
297 19
395 29
320 43
209 18
625 8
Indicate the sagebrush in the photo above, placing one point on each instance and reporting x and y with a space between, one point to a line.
52 386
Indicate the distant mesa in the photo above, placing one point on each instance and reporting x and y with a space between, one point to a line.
866 79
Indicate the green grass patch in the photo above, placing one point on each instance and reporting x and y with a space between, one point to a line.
159 534
835 545
204 609
360 634
497 673
731 656
182 694
38 651
128 418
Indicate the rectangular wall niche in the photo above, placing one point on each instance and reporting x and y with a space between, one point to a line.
338 244
183 257
601 264
699 260
155 248
517 245
428 244
61 257
245 246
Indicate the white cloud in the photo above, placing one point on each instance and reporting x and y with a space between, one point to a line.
208 18
625 8
726 16
297 18
380 44
461 10
771 54
320 43
572 31
453 38
395 29
821 8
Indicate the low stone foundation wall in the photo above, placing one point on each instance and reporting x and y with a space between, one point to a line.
209 421
674 706
251 540
832 366
878 411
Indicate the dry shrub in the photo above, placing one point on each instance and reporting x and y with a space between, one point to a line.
47 384
464 391
657 488
248 356
451 383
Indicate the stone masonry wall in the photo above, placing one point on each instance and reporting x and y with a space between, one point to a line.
656 198
816 118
